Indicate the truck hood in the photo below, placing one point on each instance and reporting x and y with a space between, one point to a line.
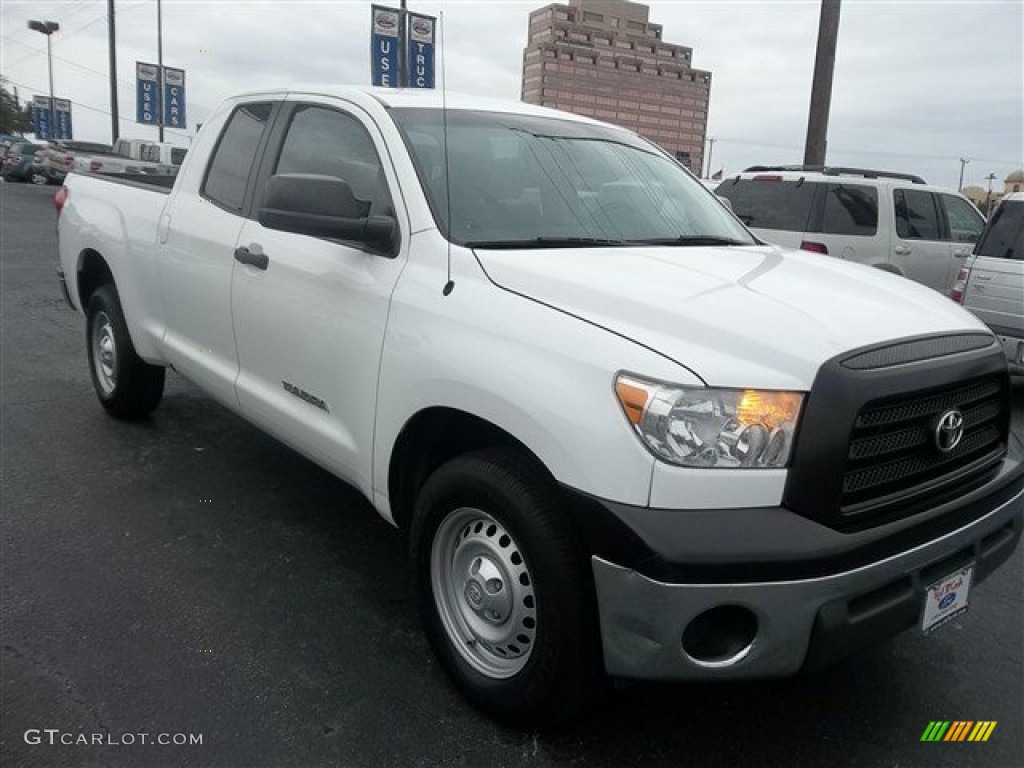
735 316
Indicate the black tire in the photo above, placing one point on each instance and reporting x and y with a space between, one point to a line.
127 386
563 672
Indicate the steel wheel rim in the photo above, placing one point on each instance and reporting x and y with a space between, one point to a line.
484 597
104 352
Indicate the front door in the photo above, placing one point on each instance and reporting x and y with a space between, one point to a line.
310 314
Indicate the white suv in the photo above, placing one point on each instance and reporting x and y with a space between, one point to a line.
891 221
992 284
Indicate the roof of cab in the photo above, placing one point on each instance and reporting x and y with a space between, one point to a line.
421 97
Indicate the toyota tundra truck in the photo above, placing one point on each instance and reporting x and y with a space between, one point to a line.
626 438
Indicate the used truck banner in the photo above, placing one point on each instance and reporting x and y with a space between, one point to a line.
421 51
384 46
395 32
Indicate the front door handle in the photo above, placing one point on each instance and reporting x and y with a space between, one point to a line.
901 250
245 256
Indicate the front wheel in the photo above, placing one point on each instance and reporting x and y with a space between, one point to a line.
504 590
127 386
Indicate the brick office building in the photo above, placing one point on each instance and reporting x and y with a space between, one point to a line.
606 60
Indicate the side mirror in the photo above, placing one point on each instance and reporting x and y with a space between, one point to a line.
323 206
725 201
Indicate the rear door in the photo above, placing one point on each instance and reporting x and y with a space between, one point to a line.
197 238
995 292
776 210
919 249
310 320
848 225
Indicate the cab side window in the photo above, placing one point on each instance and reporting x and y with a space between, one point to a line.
228 172
916 216
327 142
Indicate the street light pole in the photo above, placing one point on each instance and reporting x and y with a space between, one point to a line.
160 70
711 149
48 28
963 162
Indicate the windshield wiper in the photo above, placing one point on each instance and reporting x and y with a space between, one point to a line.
690 240
544 242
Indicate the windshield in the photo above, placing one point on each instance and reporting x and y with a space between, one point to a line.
522 181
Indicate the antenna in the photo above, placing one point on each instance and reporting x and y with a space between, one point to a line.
449 286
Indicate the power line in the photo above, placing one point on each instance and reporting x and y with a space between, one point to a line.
98 73
93 109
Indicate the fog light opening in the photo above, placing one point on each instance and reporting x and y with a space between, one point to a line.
721 636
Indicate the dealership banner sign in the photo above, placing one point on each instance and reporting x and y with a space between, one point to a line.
42 117
174 98
63 110
421 51
385 37
401 48
146 93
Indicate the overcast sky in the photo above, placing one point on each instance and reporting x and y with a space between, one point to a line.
918 85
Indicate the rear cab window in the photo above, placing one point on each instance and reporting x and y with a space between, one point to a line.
1004 237
228 172
770 202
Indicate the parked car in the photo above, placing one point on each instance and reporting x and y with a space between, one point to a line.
991 285
888 220
18 163
624 437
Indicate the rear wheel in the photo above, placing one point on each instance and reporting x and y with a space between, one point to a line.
127 386
504 590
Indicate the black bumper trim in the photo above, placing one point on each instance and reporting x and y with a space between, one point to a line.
767 543
847 626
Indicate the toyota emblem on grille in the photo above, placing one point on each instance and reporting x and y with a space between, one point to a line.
949 430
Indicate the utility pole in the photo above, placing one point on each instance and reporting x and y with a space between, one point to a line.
112 45
963 162
988 199
821 86
711 141
160 70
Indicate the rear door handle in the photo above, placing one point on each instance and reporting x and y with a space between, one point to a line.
245 256
901 250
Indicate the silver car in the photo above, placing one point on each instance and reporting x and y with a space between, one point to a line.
991 284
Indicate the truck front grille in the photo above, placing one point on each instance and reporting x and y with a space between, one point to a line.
895 455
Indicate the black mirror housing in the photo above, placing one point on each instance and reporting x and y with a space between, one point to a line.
323 206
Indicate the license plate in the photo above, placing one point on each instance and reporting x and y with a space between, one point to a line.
946 599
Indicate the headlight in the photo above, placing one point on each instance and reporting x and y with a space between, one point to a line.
701 427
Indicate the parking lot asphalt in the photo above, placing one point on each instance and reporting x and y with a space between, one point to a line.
190 575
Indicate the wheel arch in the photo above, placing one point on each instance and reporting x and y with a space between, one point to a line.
93 271
430 438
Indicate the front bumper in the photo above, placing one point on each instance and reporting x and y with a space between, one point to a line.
800 623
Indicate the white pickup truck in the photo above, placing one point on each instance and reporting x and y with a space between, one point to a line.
626 438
